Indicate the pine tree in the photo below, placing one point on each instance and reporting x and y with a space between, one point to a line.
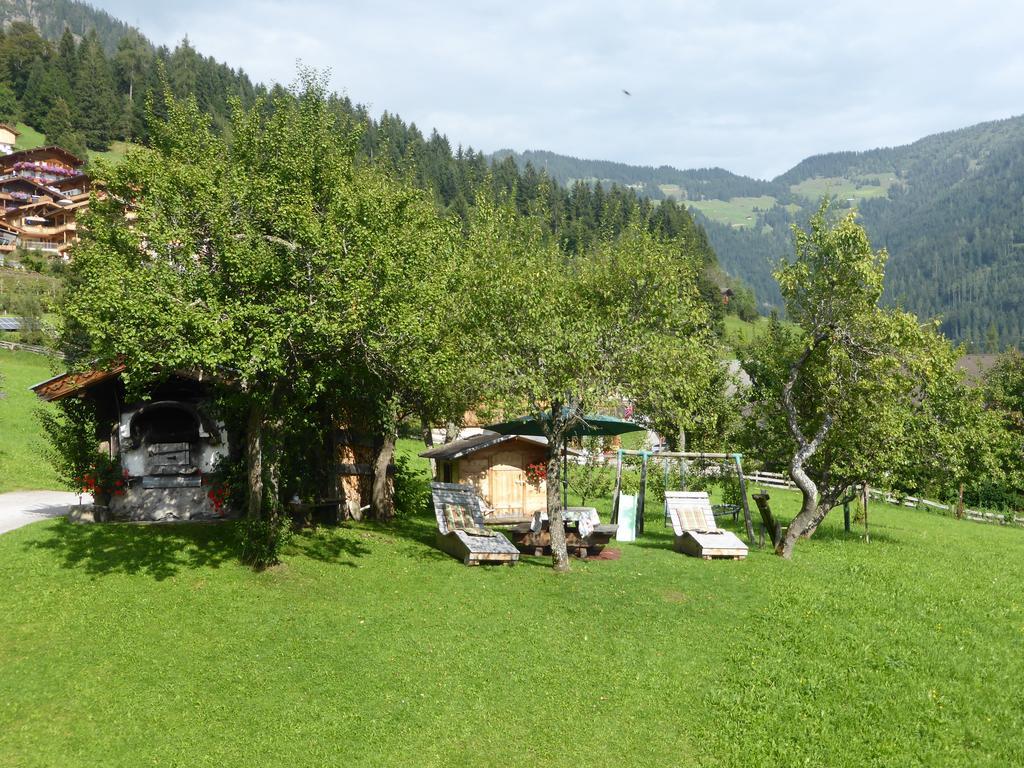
67 55
9 109
46 84
21 47
60 130
130 61
99 109
992 338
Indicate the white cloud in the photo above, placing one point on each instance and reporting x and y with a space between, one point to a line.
750 86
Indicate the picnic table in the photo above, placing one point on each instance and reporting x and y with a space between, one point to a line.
584 534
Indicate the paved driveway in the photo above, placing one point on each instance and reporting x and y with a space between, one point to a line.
24 507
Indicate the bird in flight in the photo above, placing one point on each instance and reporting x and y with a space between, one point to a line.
626 92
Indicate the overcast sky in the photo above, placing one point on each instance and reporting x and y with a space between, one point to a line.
752 86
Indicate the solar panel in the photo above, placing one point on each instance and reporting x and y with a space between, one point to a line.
10 323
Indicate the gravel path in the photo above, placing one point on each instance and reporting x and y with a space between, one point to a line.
24 507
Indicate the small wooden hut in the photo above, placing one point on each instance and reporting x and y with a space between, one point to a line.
496 466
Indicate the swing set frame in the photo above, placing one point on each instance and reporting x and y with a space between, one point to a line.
682 457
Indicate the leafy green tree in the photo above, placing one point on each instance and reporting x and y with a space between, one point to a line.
592 478
1004 402
851 392
563 335
272 263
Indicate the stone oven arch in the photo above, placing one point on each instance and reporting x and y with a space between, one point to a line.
171 421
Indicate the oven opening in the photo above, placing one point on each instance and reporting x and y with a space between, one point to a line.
169 436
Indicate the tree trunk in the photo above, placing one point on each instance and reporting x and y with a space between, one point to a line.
254 460
426 432
428 440
811 512
807 511
864 496
807 520
824 507
382 501
556 523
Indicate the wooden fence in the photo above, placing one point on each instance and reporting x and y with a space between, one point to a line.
16 346
769 479
969 514
778 480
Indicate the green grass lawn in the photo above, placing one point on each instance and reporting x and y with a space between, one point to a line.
150 645
23 465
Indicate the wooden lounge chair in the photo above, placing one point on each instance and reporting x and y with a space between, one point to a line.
696 531
460 527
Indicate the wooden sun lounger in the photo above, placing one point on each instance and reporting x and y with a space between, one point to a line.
471 549
696 532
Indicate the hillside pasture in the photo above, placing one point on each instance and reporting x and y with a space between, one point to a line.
115 154
843 188
29 137
738 332
737 212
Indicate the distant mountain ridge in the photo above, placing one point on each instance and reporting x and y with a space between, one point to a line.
699 183
949 207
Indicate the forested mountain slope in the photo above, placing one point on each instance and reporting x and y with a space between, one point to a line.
50 17
663 182
949 208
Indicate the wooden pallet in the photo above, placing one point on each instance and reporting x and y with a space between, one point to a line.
461 544
710 545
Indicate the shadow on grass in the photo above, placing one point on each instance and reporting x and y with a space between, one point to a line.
329 545
419 531
856 534
157 551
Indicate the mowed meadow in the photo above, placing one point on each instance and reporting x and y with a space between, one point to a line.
151 645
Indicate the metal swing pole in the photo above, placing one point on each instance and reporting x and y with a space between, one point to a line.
642 496
618 490
738 458
565 474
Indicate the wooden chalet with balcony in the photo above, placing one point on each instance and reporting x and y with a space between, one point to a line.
41 193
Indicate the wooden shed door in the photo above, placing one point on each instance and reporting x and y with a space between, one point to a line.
508 483
474 472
